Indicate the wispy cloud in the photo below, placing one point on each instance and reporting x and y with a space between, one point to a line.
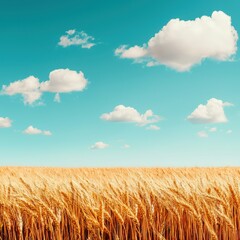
202 134
153 128
72 37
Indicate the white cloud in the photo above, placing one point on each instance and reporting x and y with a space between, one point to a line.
28 88
126 146
132 52
202 134
47 133
35 131
129 114
73 37
212 112
60 81
213 129
71 32
229 131
57 98
181 44
5 122
153 127
64 80
99 145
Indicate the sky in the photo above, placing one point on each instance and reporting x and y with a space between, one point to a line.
119 83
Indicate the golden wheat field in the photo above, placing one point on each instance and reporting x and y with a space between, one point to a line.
131 203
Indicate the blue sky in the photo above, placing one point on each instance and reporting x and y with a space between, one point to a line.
74 132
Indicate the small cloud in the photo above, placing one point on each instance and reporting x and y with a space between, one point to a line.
71 32
212 112
35 131
126 146
133 52
47 133
5 122
229 131
73 37
57 98
213 129
129 114
99 145
202 134
153 127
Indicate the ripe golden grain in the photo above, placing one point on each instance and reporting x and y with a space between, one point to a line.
71 204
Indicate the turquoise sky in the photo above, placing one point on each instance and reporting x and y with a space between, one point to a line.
30 35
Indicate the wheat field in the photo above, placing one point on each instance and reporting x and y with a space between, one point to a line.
131 203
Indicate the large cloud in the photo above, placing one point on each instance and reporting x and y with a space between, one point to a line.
28 88
60 81
212 112
35 131
73 37
182 44
129 114
5 122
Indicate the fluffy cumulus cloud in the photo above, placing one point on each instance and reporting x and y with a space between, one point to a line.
181 44
60 81
129 114
212 112
63 81
29 88
72 37
5 122
35 131
99 145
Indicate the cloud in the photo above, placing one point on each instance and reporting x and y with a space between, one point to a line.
99 145
71 32
202 134
213 129
29 88
5 122
132 52
47 133
229 131
126 146
57 98
73 37
63 81
181 44
212 112
129 114
35 131
60 81
153 127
